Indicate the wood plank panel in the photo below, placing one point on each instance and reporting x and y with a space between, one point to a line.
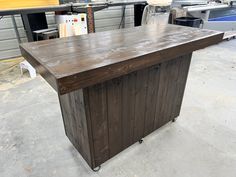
172 87
128 108
171 68
121 111
173 75
98 116
140 104
181 83
151 98
114 108
75 123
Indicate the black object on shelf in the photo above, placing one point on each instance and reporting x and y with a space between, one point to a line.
138 13
44 34
189 21
33 22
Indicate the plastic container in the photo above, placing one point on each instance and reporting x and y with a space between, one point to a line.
188 21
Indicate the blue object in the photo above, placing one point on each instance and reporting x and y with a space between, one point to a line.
225 18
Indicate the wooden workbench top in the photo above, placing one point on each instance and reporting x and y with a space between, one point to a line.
77 62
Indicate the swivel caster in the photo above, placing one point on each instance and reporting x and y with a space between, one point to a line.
140 141
96 169
173 120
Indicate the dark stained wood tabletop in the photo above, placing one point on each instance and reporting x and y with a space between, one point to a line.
76 62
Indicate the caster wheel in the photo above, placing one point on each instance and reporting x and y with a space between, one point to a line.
97 168
174 120
140 141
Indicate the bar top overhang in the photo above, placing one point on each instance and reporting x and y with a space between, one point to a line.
76 62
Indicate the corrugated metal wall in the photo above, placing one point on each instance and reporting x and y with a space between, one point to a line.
9 46
107 19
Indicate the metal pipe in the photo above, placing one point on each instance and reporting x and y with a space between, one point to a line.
123 16
15 28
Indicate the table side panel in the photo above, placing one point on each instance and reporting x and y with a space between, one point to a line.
97 110
181 83
173 76
126 109
75 123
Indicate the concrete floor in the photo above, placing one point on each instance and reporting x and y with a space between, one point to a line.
202 143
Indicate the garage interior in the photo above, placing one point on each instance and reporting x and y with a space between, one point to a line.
200 142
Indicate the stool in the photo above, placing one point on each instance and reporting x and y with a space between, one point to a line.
50 34
39 34
26 65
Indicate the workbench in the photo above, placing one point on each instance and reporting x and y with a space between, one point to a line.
116 87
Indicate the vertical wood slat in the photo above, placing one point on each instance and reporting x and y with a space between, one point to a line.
161 96
173 76
128 108
172 71
99 122
172 87
181 83
140 104
121 111
114 108
74 118
151 99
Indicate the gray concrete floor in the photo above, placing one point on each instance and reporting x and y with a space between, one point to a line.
202 143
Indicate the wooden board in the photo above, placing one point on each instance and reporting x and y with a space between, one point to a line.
81 61
20 4
121 111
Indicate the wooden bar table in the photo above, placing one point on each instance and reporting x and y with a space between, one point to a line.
116 87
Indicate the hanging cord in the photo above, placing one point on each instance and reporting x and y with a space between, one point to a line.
123 17
145 15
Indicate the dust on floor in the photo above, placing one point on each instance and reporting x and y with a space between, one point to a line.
10 73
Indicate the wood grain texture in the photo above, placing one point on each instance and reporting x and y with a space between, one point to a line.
173 76
82 61
151 99
75 122
114 113
97 105
128 108
104 119
180 84
140 103
44 72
